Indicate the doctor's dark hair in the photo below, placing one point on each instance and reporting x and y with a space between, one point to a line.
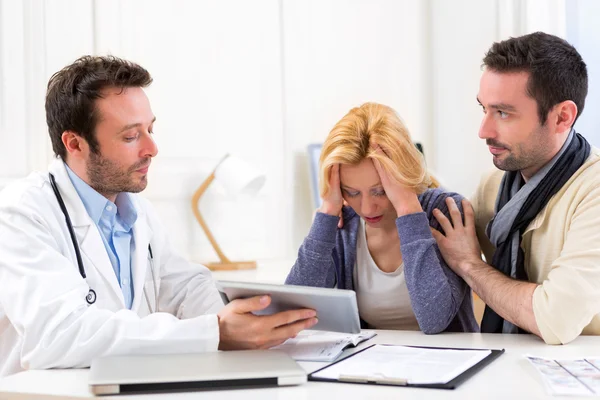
556 70
73 91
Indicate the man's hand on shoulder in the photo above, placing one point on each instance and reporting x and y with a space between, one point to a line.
459 245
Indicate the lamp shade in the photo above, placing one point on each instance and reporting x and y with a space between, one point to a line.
238 177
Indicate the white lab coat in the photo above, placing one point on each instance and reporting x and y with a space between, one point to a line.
45 321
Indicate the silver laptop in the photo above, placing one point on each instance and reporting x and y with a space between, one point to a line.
201 371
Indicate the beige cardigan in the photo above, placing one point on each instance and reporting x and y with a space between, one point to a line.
562 252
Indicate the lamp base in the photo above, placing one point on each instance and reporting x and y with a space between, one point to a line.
231 266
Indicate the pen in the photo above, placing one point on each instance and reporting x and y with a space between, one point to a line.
374 379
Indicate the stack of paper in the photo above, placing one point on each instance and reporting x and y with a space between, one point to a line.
320 345
573 377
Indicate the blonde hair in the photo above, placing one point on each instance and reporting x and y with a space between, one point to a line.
351 141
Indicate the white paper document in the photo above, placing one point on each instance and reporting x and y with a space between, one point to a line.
569 377
320 345
404 364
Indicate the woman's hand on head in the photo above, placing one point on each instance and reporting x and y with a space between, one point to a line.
403 198
334 201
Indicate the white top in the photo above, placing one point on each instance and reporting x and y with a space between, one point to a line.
382 297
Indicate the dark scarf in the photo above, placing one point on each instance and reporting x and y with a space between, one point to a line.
523 204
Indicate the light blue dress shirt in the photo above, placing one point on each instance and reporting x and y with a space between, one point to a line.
115 222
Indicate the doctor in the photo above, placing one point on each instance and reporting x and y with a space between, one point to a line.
99 277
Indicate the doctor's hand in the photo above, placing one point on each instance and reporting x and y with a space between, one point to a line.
239 329
333 201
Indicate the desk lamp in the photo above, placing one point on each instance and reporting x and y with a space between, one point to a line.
238 178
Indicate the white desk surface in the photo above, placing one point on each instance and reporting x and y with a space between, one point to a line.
508 377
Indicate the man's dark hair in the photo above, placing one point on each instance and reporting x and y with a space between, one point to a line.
556 70
72 92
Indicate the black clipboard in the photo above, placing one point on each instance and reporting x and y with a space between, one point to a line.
452 384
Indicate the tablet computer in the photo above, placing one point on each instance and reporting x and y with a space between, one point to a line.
336 309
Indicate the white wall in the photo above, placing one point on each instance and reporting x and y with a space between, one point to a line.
337 55
459 156
36 39
262 80
217 89
584 32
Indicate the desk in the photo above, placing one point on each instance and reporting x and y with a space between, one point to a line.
509 377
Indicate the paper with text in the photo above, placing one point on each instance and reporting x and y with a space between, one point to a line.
569 377
320 345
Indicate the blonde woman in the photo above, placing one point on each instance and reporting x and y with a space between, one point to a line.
382 246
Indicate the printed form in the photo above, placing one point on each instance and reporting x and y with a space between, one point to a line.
320 345
572 377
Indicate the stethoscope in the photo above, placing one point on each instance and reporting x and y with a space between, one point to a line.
91 296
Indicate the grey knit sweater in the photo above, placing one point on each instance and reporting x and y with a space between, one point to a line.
440 299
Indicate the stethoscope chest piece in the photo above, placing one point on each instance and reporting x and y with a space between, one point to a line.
91 297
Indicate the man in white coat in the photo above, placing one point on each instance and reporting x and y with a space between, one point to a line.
86 269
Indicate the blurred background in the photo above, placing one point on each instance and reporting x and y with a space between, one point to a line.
263 79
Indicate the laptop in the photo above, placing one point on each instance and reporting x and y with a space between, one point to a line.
200 371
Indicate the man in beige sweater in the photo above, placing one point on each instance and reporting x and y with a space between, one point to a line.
538 222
